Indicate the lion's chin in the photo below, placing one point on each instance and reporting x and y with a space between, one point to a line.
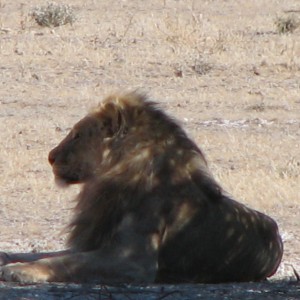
63 183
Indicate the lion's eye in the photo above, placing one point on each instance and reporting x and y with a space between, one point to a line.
76 135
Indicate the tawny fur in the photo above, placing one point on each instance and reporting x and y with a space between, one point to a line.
149 209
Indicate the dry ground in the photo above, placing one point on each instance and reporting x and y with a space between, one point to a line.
219 67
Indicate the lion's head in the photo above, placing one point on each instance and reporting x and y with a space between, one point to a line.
74 160
125 135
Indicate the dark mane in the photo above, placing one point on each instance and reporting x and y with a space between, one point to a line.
152 154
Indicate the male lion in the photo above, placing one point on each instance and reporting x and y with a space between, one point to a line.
149 210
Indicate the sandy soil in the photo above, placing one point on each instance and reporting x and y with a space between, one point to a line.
220 67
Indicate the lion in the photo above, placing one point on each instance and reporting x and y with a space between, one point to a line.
149 210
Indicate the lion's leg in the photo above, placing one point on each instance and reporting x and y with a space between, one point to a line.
82 267
8 258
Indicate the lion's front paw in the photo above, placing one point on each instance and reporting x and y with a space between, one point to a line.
17 273
23 273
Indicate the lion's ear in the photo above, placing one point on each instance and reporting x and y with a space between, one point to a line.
114 119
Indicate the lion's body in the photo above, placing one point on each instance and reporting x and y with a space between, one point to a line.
149 210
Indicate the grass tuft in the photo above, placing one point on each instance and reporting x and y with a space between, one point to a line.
53 15
286 24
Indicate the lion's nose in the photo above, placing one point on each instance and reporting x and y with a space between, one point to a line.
51 158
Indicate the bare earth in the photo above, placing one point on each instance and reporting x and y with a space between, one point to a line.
220 67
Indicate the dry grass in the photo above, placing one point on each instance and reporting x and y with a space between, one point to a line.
53 15
287 24
219 67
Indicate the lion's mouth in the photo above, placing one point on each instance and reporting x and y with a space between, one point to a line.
66 181
63 179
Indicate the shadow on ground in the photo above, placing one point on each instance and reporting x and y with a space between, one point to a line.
246 291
